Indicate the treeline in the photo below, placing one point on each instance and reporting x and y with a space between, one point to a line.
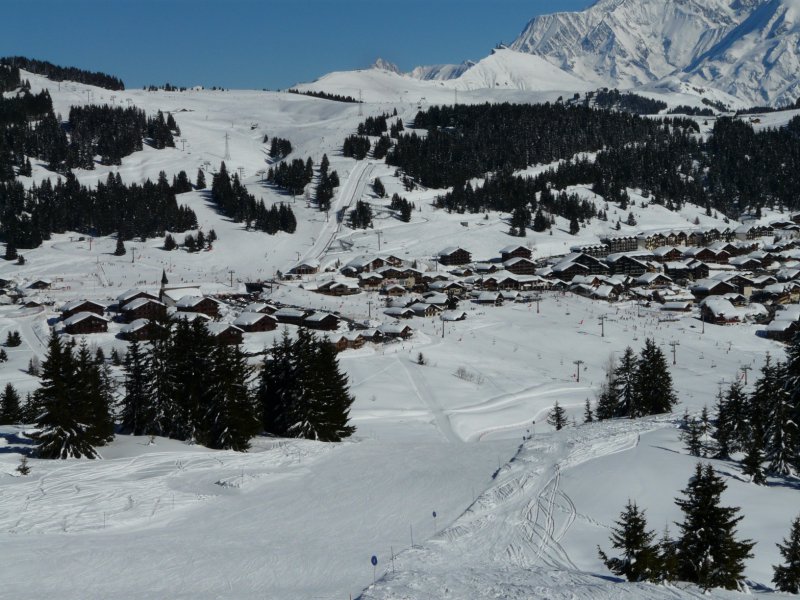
57 73
464 142
292 177
279 149
401 205
113 133
361 215
184 385
628 102
29 216
324 96
235 202
759 429
694 111
9 78
768 109
29 128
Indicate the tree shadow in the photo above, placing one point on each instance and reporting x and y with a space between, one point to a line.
16 444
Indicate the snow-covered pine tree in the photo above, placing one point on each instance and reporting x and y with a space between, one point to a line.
639 560
791 375
588 415
692 437
752 465
62 432
781 433
276 387
557 417
653 382
200 182
787 576
667 557
708 552
120 249
97 396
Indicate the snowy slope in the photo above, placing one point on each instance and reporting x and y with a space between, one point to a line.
748 48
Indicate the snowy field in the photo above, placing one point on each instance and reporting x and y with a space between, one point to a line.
298 519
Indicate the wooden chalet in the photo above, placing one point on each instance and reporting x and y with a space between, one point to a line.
225 333
620 243
423 309
256 321
395 331
144 308
520 266
321 321
454 256
625 264
667 253
515 251
199 304
719 311
712 287
291 316
781 331
140 330
79 306
84 323
40 284
307 267
134 294
260 307
596 250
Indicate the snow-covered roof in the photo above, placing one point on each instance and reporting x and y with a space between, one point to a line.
397 311
135 325
258 307
516 260
82 316
514 247
220 328
139 302
188 316
721 307
393 328
361 262
453 315
449 250
251 318
289 312
651 277
318 317
72 305
488 296
176 294
191 301
124 297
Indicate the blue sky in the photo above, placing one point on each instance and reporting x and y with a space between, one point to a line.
258 44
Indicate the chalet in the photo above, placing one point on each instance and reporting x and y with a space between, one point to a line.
454 256
363 264
484 268
391 272
40 284
667 254
84 323
493 298
520 266
399 312
255 321
170 296
291 316
79 306
307 267
695 238
652 280
454 315
677 306
199 304
620 243
451 288
370 281
753 232
719 311
338 288
373 335
393 290
502 280
781 331
701 254
515 251
568 270
134 294
355 340
760 282
6 282
745 263
144 308
260 307
339 342
743 284
596 250
395 330
225 333
651 241
435 298
422 309
510 296
738 300
626 264
393 260
712 287
321 321
140 330
189 317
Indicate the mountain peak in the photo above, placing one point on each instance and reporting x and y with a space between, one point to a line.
748 48
385 65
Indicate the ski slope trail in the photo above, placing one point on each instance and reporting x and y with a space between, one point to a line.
508 543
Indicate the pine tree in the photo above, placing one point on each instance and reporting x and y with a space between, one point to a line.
574 227
588 416
540 222
136 411
752 465
653 382
692 437
557 417
120 249
787 576
782 434
10 411
200 183
23 468
667 557
11 251
708 553
378 188
639 560
4 356
97 396
63 432
624 386
232 418
169 242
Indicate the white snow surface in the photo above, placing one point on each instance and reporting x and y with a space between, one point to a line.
298 519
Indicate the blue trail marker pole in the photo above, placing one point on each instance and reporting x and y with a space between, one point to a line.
434 523
374 561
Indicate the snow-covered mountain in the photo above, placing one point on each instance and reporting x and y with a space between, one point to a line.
748 48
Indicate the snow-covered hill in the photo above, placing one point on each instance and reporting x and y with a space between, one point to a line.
748 48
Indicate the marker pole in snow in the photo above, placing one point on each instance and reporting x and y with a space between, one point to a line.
434 522
411 529
391 548
374 561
